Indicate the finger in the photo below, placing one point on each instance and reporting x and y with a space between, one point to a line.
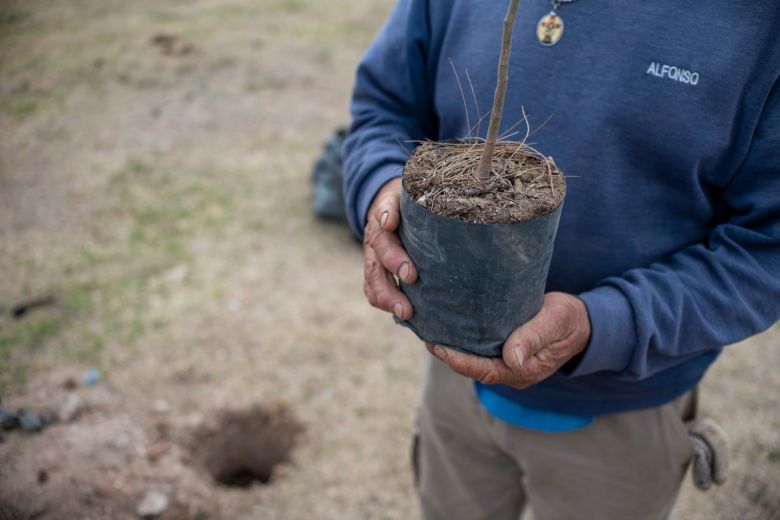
380 233
392 255
381 290
489 371
387 208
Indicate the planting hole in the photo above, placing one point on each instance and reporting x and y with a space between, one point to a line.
244 447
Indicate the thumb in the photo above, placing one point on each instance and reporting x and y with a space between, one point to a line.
523 343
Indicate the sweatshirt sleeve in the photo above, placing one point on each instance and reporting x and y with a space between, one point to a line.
709 294
391 106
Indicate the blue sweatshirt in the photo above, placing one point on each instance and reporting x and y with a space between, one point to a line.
665 117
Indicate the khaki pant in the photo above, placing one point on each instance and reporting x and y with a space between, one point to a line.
470 465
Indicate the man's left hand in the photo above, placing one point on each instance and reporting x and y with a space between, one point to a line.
534 351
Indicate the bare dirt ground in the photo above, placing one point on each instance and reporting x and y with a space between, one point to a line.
153 178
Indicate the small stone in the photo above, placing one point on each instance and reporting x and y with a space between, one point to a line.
102 490
70 408
157 450
161 407
29 421
194 420
8 419
121 442
91 377
177 274
479 202
153 504
70 384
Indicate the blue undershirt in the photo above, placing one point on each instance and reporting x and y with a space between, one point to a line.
516 414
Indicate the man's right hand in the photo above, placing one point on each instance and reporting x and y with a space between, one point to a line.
384 254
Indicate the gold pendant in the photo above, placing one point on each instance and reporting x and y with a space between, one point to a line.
549 29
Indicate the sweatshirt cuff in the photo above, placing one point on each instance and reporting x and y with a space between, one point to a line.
370 188
612 336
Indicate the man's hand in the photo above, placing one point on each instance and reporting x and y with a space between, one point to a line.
384 254
534 351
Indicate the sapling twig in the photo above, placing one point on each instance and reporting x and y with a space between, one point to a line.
486 161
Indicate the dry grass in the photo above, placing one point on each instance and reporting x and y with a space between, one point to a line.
523 184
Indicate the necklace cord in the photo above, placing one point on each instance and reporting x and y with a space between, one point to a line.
557 3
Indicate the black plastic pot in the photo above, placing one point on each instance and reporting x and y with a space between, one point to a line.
476 282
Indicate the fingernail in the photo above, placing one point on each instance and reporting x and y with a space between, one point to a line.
439 352
519 356
383 218
398 310
404 271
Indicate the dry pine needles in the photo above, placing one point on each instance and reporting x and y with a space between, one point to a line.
523 185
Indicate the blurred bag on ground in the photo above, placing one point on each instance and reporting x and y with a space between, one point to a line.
326 176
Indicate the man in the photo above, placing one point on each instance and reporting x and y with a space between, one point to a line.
666 118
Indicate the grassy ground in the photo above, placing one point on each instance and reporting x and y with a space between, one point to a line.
157 187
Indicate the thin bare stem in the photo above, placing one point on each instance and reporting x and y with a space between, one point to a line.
401 145
478 128
476 105
463 97
486 161
550 173
506 134
527 124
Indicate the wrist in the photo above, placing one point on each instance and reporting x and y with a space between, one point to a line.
582 327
